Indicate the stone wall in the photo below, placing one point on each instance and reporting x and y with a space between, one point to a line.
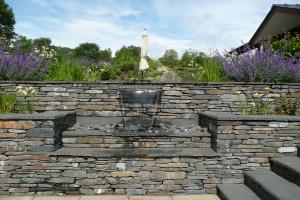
179 100
23 133
247 142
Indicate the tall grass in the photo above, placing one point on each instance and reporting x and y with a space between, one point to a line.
210 70
7 103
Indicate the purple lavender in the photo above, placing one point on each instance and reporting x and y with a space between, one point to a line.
22 66
261 66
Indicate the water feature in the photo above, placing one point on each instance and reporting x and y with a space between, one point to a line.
140 106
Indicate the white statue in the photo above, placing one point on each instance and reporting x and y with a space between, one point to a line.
144 51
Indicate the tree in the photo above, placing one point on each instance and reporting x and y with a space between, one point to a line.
170 58
40 42
128 58
105 55
87 50
7 22
22 43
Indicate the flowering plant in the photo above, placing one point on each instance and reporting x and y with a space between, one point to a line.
261 66
22 66
259 106
25 99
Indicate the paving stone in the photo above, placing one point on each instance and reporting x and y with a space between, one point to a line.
103 197
196 197
16 197
157 197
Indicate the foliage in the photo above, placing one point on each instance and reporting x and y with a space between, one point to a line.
68 70
87 50
42 42
109 73
7 22
22 66
105 55
170 58
261 66
23 44
258 106
7 102
289 45
25 99
210 70
287 105
169 77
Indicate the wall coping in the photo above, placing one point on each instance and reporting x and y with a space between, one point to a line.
223 116
143 83
135 152
49 115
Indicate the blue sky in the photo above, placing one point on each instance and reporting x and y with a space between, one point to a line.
203 25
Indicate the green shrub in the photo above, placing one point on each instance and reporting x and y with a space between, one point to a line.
67 70
7 103
289 45
286 105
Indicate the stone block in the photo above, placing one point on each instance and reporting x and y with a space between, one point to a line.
287 149
170 187
173 93
17 124
123 174
89 140
145 144
61 180
40 132
74 173
160 175
173 165
30 157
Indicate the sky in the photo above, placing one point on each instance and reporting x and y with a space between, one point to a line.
203 25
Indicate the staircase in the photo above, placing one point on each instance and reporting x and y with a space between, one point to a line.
282 182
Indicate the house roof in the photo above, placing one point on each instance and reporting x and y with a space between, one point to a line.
280 19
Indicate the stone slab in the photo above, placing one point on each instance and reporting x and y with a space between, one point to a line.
16 197
73 197
150 197
136 152
104 197
196 197
37 116
236 192
225 116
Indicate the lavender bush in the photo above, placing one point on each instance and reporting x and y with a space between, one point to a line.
22 66
261 66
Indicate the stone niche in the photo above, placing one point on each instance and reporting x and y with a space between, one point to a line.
33 133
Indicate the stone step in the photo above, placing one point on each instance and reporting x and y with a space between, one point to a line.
236 192
136 152
269 186
287 167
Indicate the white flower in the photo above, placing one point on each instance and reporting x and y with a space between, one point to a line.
267 88
252 104
238 92
257 95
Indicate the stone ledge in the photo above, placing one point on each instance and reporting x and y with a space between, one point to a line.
50 115
135 152
143 83
80 133
225 116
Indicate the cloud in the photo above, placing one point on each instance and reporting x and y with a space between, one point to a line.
173 24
